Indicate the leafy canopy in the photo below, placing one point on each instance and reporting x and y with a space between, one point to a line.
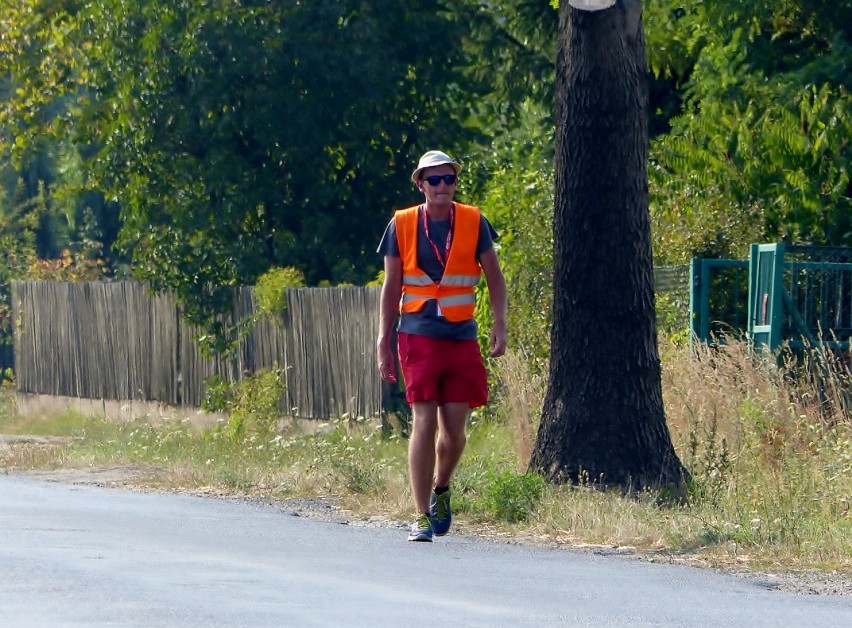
238 136
761 148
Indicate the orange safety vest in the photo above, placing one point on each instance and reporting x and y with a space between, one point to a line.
455 292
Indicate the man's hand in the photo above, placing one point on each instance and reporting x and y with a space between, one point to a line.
498 340
497 294
387 365
388 311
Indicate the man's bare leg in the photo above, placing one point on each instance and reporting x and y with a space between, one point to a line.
452 418
421 452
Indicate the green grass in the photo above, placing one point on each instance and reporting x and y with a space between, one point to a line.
62 424
771 463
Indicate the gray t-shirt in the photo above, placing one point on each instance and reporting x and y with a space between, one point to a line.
427 322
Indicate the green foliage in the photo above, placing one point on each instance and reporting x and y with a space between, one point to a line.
236 137
271 289
673 317
709 463
761 150
352 458
45 232
40 62
513 184
17 240
272 166
253 406
774 172
66 268
513 497
511 47
378 280
43 78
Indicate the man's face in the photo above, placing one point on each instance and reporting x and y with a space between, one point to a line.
443 192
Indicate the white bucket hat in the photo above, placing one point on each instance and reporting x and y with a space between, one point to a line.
434 158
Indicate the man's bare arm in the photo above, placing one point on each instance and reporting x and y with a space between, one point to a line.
388 312
499 300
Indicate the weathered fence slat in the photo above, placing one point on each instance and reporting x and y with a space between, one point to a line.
117 341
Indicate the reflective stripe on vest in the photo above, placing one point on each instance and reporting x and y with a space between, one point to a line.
455 292
458 299
416 280
446 280
459 280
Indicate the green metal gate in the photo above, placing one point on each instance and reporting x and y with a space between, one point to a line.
718 298
798 295
765 308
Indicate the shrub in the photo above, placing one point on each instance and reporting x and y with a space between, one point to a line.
270 292
512 496
252 405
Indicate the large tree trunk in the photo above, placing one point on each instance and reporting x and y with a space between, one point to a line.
603 420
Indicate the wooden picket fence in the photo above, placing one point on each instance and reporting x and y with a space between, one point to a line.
118 341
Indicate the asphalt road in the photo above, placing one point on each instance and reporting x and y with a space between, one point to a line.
86 556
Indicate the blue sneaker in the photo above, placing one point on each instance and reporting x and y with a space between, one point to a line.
421 529
440 512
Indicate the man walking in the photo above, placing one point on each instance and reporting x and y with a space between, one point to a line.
433 256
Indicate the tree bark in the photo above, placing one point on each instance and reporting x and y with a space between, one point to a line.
603 421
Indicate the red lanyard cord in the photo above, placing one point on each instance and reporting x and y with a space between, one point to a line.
441 260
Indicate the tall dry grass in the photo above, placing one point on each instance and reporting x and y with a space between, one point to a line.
768 444
522 384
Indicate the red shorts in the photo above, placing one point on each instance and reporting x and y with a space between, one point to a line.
436 369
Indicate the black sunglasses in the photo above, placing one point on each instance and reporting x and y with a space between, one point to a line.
435 179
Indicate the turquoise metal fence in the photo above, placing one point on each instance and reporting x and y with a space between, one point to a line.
718 298
793 295
765 302
800 295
